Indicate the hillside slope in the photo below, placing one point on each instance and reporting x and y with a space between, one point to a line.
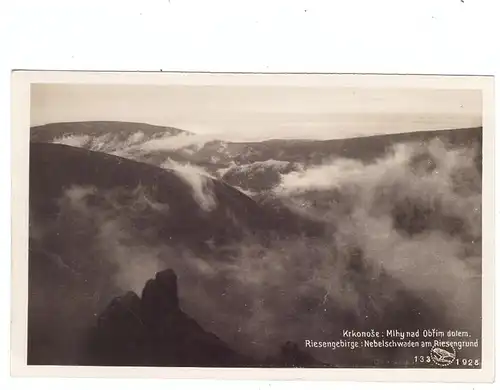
101 225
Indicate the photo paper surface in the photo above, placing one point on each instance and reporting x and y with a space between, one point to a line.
218 224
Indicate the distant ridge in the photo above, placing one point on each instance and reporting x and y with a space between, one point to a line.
95 128
47 132
368 148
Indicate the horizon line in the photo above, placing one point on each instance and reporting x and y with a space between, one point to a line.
217 137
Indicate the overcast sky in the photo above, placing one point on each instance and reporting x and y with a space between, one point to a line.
251 113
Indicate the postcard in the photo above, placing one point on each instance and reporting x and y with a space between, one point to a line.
253 226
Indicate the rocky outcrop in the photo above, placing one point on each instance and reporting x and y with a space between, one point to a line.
152 330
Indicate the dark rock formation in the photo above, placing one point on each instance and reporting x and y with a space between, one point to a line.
154 331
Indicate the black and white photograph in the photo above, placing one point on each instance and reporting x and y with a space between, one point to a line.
258 224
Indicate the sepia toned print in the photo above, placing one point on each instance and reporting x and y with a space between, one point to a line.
239 225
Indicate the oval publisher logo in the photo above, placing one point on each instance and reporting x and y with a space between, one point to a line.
443 355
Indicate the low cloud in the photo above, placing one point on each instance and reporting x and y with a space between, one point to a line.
136 144
73 140
260 166
181 141
198 179
112 143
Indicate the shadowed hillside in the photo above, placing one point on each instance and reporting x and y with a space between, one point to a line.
90 212
196 208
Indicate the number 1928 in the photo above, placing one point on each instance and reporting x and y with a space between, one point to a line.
468 362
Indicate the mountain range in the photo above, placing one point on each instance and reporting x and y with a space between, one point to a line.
272 243
251 166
